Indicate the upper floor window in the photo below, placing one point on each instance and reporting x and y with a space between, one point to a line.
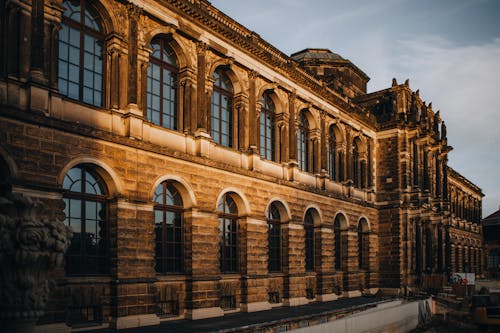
228 233
335 155
359 164
162 85
309 240
274 238
222 109
267 127
81 54
169 244
85 196
303 142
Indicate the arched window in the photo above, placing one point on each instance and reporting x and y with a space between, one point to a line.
228 232
267 127
85 196
162 85
303 142
222 109
335 156
81 54
363 246
309 239
169 244
338 228
274 238
358 164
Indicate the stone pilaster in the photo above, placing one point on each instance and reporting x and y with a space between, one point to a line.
34 240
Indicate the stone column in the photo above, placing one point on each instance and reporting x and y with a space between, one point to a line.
282 122
294 264
202 100
254 282
350 263
53 14
315 152
132 290
203 269
324 143
116 63
187 99
34 240
292 145
325 274
241 122
253 128
373 264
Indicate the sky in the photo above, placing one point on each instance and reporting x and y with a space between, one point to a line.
449 49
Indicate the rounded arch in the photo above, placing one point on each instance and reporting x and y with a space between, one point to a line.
364 224
186 191
337 131
238 197
109 176
315 213
106 9
232 74
309 116
8 164
341 218
359 143
285 213
269 88
173 41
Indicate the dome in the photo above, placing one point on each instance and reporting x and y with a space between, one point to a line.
315 54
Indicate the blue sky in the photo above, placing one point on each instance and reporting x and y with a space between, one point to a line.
450 50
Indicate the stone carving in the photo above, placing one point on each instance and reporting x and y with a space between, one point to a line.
33 240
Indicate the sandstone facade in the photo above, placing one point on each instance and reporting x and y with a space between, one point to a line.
359 182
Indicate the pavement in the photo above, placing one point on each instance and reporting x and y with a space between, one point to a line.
244 322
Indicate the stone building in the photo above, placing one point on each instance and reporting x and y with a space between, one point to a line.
204 171
491 239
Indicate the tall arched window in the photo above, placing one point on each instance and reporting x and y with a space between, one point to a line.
267 127
81 54
222 109
363 244
85 195
355 164
309 239
358 164
274 238
228 233
335 155
162 85
169 244
303 142
338 228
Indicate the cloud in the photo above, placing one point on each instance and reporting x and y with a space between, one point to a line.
462 82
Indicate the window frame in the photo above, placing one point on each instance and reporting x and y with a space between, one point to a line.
228 220
84 198
274 240
309 241
174 87
178 210
216 111
99 37
267 121
303 142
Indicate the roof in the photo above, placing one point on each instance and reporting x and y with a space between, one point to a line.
493 219
310 54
